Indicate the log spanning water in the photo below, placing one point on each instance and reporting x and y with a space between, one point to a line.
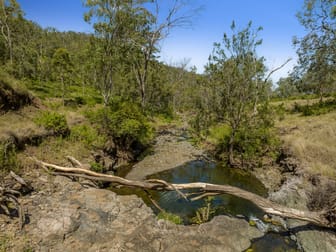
318 218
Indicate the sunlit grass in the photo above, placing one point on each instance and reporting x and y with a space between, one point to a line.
312 140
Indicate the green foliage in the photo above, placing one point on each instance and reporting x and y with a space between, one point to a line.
87 135
219 134
317 49
252 140
204 213
319 108
97 167
125 123
255 140
170 217
287 87
8 158
53 121
280 111
236 88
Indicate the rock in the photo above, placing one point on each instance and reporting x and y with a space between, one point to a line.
77 219
293 194
314 240
169 152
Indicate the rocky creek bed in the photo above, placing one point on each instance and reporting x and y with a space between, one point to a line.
64 215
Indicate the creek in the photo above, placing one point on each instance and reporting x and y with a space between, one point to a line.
216 173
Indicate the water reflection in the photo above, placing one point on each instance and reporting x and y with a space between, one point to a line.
202 171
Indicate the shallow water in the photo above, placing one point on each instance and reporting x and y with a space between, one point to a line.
202 171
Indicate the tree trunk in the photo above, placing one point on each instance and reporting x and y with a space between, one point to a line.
231 150
317 218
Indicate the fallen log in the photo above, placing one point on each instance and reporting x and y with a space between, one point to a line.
318 218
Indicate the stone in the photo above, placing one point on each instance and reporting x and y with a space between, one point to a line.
79 219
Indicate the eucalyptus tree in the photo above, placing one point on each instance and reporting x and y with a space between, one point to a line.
159 19
9 11
317 49
62 66
236 82
112 23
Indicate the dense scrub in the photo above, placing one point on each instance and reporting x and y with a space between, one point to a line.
322 107
125 126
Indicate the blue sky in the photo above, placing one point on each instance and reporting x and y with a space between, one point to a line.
195 43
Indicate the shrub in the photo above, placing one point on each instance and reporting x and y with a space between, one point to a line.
253 140
87 135
97 167
316 108
170 217
280 111
125 123
53 121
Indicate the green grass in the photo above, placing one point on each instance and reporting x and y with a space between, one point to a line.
75 95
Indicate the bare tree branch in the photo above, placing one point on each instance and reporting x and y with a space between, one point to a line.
318 218
277 69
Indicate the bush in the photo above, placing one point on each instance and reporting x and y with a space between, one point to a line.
53 121
323 198
280 111
87 135
97 167
257 139
253 140
125 123
319 108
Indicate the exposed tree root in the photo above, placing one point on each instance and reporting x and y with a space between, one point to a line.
319 218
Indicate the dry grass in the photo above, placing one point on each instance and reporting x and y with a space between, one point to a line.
19 123
54 150
312 140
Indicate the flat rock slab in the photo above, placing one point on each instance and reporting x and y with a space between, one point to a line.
170 151
77 219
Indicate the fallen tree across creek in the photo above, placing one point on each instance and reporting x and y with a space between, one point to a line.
323 218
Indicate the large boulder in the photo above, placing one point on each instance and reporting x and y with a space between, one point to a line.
89 219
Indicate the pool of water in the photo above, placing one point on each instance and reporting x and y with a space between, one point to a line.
202 171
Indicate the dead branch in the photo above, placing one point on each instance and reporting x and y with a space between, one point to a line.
74 162
277 69
203 195
8 196
269 207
